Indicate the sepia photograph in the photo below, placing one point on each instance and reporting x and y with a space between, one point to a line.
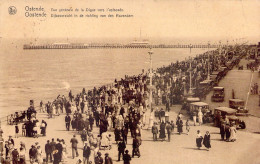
129 82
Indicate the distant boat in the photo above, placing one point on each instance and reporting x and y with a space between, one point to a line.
140 43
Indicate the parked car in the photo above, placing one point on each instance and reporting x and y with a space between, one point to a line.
231 115
218 94
239 105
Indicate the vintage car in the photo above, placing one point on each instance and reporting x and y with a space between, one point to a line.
230 114
207 113
218 94
239 105
188 101
205 86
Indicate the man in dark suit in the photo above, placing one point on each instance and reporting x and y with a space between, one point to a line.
48 151
121 149
154 131
53 146
86 153
74 143
98 159
59 148
108 160
67 121
126 158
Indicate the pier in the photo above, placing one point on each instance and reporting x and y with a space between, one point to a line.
114 46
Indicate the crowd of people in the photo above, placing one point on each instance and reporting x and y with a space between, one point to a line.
119 108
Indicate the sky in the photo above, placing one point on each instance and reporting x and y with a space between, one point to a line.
220 19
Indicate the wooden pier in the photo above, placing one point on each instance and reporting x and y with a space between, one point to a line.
113 46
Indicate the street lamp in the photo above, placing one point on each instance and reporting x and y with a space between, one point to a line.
151 78
208 62
151 93
190 90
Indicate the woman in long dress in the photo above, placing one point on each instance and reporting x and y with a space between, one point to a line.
104 140
109 120
64 151
162 131
179 124
206 140
233 132
200 116
39 155
199 139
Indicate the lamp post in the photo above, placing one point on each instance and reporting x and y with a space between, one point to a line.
151 118
151 78
190 90
208 62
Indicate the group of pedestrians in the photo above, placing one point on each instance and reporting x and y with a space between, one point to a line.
119 108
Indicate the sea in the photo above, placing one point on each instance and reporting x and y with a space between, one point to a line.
44 74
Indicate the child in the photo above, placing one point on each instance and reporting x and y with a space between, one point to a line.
188 126
16 130
24 130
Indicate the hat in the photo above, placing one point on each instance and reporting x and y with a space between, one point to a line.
126 151
98 153
106 154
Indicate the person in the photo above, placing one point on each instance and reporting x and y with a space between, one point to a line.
24 129
162 131
86 153
6 149
43 128
2 159
56 158
121 149
16 130
227 132
1 131
1 144
67 121
32 154
154 131
206 140
187 126
194 118
169 130
91 121
126 157
15 156
11 141
233 132
58 147
108 160
98 158
53 147
199 139
39 155
179 124
200 116
48 151
22 155
222 130
136 150
64 151
74 143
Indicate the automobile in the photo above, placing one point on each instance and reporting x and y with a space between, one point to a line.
205 86
188 101
239 105
218 94
231 115
207 113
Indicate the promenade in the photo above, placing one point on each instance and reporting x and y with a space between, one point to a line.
182 148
